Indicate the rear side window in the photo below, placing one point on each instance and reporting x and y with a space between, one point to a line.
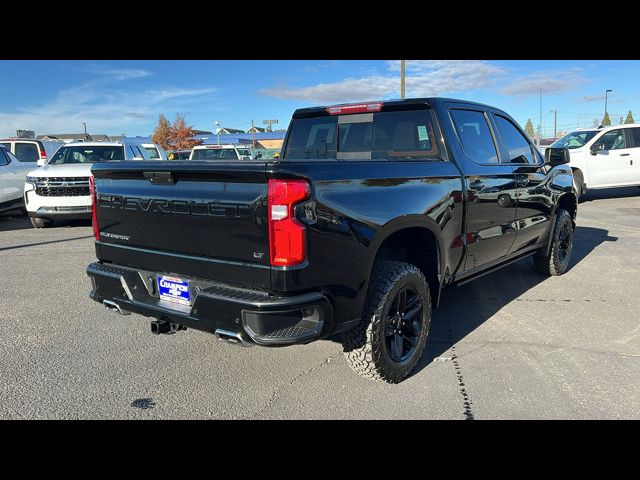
635 134
475 136
153 153
402 135
518 147
27 152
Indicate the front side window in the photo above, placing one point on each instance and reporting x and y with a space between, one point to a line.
4 160
82 154
475 135
27 152
516 144
612 140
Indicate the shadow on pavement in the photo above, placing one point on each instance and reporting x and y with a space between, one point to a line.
14 221
463 309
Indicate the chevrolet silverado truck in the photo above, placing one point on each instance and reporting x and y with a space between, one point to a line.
351 235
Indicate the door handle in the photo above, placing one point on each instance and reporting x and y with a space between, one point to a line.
625 154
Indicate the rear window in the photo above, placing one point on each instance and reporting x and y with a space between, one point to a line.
214 154
153 153
27 152
81 154
402 135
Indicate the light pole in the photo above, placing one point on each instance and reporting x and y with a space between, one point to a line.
606 93
218 131
402 79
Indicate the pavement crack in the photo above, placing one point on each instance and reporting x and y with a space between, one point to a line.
466 399
290 383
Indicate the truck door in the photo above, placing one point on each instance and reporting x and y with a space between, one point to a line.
610 160
633 137
491 189
534 198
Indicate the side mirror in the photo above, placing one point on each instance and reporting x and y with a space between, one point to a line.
556 156
258 155
41 162
597 147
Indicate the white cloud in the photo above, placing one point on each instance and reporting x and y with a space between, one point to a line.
103 109
423 78
549 81
117 73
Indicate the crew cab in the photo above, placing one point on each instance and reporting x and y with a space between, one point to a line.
603 157
221 152
60 189
352 234
12 176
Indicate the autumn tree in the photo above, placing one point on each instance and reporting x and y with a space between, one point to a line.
529 129
182 134
629 118
162 134
606 120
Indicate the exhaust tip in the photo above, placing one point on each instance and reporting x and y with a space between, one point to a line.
232 337
114 306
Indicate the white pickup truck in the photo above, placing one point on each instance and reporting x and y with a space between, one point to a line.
604 157
60 189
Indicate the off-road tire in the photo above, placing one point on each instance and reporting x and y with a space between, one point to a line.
365 345
40 222
554 264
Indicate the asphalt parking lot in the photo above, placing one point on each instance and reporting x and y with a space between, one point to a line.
512 345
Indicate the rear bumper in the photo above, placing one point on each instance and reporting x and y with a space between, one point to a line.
256 317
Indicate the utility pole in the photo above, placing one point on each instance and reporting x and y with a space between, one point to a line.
555 123
253 135
402 79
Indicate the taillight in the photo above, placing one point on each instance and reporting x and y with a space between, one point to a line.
287 243
43 154
94 213
355 108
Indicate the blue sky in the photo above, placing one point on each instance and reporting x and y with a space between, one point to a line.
116 97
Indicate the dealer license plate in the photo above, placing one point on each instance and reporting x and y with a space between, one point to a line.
174 290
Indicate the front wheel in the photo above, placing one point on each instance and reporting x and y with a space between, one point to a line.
392 333
557 261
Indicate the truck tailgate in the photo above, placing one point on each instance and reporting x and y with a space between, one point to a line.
201 219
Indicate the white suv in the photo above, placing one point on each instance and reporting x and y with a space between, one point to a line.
12 175
60 189
604 157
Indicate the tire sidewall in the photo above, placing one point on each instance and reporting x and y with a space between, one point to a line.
563 219
399 370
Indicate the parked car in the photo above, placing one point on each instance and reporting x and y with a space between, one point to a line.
29 151
156 152
221 152
604 157
352 234
60 189
179 155
12 176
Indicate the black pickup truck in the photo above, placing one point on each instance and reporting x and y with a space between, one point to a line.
371 210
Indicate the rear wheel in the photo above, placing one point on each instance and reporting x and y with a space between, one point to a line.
557 261
393 331
41 222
